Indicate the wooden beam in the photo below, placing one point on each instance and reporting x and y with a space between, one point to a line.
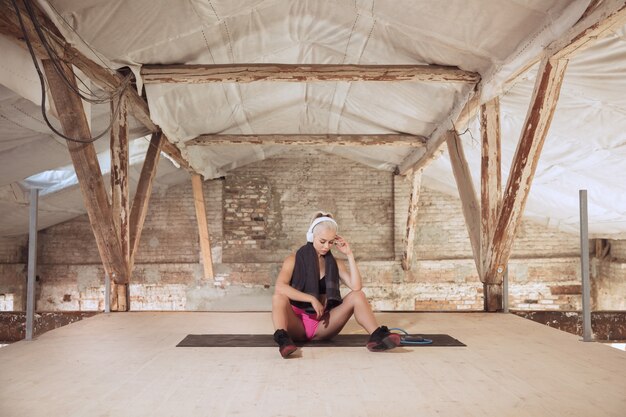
312 140
119 174
87 169
119 194
245 73
106 79
173 152
598 23
419 159
203 229
411 222
490 175
139 209
534 131
469 202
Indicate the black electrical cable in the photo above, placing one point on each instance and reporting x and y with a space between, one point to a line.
62 75
55 59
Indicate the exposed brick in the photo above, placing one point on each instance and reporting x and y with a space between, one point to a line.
259 214
566 289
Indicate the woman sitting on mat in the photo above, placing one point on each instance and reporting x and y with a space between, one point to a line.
307 304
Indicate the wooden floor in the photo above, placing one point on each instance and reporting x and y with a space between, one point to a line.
126 364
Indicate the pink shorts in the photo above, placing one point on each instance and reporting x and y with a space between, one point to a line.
308 320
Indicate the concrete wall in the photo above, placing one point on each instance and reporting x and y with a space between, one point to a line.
259 214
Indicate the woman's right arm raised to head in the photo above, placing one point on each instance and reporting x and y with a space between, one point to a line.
284 279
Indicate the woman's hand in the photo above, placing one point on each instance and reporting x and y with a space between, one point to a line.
343 246
318 307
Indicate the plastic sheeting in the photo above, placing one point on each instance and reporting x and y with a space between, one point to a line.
584 148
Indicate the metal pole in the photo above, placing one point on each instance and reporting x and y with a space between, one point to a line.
107 293
505 291
584 265
32 263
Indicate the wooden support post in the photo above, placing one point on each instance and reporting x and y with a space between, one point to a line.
469 202
203 229
490 174
534 131
416 183
119 188
142 194
84 158
491 194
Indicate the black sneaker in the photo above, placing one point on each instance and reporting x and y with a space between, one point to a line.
285 345
382 339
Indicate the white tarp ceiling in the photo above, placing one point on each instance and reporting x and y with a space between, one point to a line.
585 146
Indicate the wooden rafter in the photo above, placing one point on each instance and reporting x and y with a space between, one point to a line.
311 140
107 79
600 18
469 202
139 208
598 23
411 222
243 73
84 158
203 229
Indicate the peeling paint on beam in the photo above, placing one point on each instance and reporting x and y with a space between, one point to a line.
310 140
245 73
535 130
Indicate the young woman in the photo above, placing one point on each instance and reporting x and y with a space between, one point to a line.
307 304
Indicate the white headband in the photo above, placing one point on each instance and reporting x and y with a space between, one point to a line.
309 233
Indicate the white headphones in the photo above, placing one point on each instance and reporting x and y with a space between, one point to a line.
309 233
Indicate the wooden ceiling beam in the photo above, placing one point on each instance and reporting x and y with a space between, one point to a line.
245 73
599 21
310 140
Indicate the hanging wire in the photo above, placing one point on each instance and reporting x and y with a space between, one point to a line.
55 60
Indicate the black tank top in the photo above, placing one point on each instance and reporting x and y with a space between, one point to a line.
308 307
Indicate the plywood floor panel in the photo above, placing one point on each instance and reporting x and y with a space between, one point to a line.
126 364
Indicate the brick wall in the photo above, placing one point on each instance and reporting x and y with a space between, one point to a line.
268 205
618 250
13 258
260 212
608 278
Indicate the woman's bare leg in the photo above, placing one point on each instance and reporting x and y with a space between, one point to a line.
284 317
354 303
